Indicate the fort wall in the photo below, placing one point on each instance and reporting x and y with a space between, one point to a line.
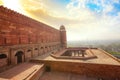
19 29
22 38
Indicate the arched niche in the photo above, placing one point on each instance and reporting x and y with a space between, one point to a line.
2 56
19 56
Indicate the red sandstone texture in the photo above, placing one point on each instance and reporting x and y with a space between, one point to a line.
19 29
27 37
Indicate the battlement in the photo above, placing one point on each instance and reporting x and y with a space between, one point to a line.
24 36
19 18
24 29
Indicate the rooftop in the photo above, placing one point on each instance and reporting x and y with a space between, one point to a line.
102 58
66 69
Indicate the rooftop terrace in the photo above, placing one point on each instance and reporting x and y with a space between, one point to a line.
102 57
49 67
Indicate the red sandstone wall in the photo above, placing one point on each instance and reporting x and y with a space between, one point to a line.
109 72
28 55
19 29
3 62
63 33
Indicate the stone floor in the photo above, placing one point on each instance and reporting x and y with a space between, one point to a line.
25 70
102 58
21 72
64 76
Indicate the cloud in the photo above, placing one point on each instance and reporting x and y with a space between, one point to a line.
95 24
1 2
41 13
84 19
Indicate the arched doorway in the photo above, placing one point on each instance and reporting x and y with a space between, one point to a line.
19 55
3 60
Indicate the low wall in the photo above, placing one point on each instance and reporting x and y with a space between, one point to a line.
105 71
37 75
80 48
72 57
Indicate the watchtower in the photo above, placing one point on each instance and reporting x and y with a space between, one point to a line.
63 36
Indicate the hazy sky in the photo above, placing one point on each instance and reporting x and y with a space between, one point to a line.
83 19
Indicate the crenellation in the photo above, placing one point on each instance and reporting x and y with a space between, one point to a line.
19 34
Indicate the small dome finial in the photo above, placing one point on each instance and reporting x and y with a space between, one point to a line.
62 28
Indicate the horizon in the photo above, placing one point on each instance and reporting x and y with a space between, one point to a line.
85 20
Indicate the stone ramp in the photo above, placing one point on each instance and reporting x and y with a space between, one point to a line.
24 71
64 76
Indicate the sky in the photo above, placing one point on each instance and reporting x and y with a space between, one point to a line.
83 19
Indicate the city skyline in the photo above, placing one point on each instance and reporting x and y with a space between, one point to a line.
83 19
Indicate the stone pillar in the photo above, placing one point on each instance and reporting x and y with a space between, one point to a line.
83 53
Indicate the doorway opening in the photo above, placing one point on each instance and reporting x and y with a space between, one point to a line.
19 55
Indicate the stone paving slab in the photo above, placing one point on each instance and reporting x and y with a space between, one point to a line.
21 72
64 76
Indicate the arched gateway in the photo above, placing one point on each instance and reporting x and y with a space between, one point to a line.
19 56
